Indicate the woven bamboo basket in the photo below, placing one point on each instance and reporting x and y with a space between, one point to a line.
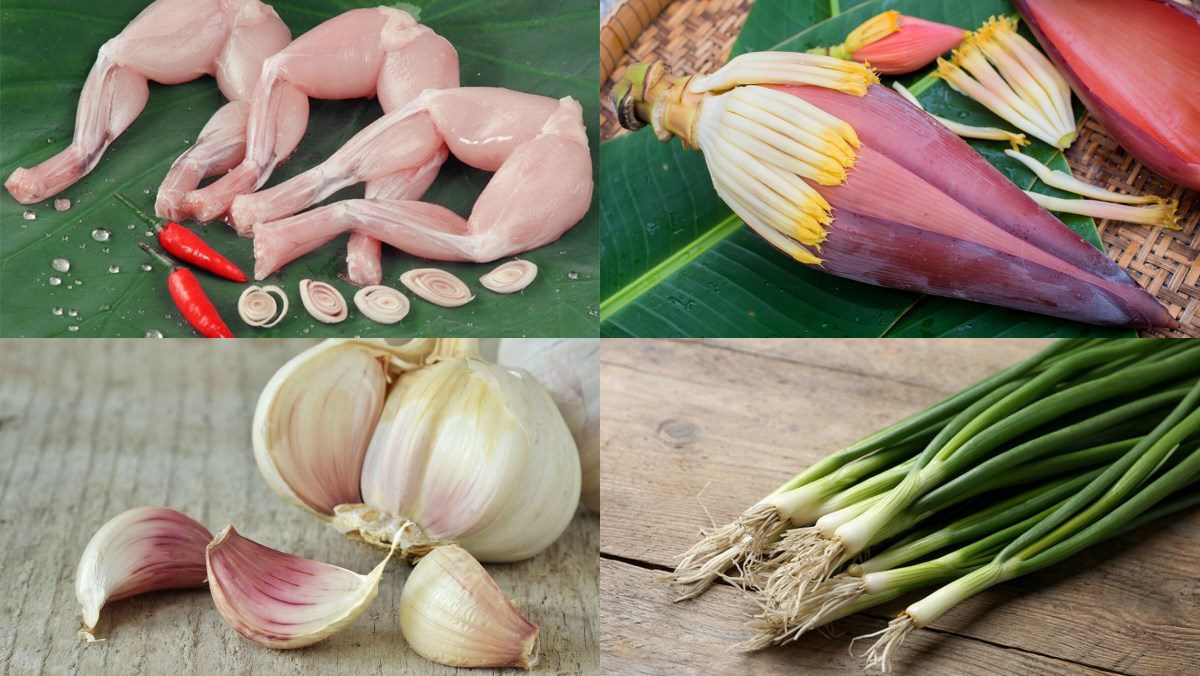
696 36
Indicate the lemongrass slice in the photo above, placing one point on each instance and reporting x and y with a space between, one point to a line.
510 277
454 613
1064 181
382 304
323 301
1159 215
139 550
437 286
257 306
281 600
784 68
966 130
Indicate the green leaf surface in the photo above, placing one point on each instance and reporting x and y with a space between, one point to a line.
546 47
677 261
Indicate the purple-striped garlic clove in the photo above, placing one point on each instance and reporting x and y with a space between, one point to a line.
281 600
139 550
452 612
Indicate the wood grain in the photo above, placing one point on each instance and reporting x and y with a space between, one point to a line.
89 428
698 428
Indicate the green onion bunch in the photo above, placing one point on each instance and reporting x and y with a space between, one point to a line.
1083 441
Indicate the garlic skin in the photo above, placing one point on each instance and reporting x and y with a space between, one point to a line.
281 600
570 370
372 436
452 612
142 549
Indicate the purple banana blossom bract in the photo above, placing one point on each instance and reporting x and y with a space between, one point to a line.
922 211
1134 64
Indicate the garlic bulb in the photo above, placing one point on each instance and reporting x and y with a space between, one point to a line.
372 436
570 370
281 600
452 612
139 550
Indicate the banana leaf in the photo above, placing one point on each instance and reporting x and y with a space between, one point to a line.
678 262
545 47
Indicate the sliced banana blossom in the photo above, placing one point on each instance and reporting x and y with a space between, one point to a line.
424 438
966 130
280 600
894 44
139 550
1064 181
1010 77
452 612
1159 215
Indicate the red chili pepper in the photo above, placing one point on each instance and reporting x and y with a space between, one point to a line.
189 297
185 244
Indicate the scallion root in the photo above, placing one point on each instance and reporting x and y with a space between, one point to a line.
727 552
804 557
880 654
825 603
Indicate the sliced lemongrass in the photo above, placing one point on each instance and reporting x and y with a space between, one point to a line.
1159 215
142 549
1064 181
961 82
323 301
280 600
437 286
510 277
381 304
257 306
966 130
784 68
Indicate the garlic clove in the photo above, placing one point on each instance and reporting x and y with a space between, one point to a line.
452 612
314 420
281 600
139 550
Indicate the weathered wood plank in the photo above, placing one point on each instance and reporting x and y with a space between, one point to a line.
640 635
90 428
681 419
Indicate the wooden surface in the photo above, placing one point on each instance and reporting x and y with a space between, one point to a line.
89 428
715 425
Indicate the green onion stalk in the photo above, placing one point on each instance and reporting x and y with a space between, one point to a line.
778 623
1147 474
844 597
736 550
1074 381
